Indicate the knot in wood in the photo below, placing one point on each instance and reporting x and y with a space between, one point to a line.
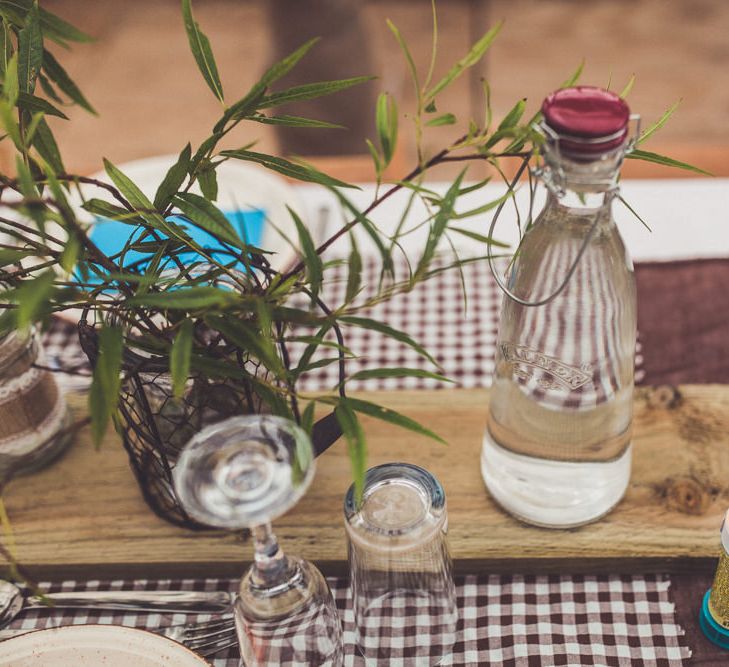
665 396
687 495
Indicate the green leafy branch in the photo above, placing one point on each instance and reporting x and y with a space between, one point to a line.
227 315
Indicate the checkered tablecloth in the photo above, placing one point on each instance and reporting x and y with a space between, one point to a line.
508 620
513 621
459 333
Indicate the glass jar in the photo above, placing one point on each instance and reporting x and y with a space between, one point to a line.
34 418
401 574
557 448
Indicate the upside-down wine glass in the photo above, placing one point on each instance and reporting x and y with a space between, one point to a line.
244 472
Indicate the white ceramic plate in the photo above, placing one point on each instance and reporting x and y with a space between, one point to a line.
240 186
95 645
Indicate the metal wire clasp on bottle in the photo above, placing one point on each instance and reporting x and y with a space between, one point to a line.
553 177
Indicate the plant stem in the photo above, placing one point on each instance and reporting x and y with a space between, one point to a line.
436 159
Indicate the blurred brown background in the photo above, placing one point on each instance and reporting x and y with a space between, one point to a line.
142 79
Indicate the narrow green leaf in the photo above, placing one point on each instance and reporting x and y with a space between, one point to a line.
386 125
284 66
8 257
208 182
48 88
106 381
141 203
244 108
127 187
294 121
201 51
381 373
56 73
173 179
70 254
11 86
32 203
628 86
375 158
152 247
478 237
6 47
8 119
310 91
666 161
385 414
207 216
408 56
205 149
45 143
320 363
439 226
648 132
30 50
488 111
31 297
356 442
390 332
106 209
445 119
188 298
56 28
148 278
31 128
513 117
307 417
287 168
248 338
247 106
311 349
312 261
317 340
25 180
280 286
296 316
574 77
471 58
34 104
354 275
180 357
488 206
61 201
368 226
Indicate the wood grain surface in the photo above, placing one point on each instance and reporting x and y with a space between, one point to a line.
84 516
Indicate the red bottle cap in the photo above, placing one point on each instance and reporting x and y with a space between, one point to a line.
590 121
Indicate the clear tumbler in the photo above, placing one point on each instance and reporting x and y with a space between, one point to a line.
400 570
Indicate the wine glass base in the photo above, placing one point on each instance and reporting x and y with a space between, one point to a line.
293 621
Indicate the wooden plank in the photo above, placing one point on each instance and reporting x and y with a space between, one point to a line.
84 515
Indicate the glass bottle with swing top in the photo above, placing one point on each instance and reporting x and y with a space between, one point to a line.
557 448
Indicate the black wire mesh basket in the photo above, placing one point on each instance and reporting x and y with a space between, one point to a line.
155 425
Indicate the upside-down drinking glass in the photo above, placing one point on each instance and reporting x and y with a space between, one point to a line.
401 572
244 472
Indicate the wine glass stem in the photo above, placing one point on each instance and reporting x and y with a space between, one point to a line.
269 563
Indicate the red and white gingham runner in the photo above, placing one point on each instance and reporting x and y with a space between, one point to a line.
509 620
515 621
460 334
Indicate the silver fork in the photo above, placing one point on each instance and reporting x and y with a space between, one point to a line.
206 637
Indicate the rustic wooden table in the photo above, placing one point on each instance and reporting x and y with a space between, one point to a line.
84 516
